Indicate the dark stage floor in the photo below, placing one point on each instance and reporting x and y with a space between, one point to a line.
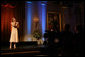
28 49
24 50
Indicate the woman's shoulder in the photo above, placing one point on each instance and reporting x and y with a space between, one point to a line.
12 22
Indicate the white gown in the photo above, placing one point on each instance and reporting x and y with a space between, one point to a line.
14 33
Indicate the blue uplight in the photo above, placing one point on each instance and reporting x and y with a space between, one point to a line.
43 1
29 2
28 16
43 4
43 18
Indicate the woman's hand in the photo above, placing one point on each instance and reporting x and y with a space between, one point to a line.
15 26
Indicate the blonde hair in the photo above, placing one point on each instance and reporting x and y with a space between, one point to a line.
13 19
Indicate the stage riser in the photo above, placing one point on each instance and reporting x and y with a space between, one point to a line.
5 44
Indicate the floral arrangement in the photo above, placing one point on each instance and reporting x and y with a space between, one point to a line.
37 34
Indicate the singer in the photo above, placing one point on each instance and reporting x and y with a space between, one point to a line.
14 33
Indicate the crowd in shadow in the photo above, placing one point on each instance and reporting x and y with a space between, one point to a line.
65 43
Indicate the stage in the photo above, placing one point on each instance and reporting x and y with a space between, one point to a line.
24 49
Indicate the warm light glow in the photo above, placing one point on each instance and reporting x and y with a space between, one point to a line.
60 20
36 20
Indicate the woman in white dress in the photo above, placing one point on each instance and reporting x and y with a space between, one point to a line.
14 33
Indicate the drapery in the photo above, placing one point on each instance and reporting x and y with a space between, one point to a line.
7 12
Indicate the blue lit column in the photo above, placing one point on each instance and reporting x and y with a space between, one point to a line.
43 5
28 16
